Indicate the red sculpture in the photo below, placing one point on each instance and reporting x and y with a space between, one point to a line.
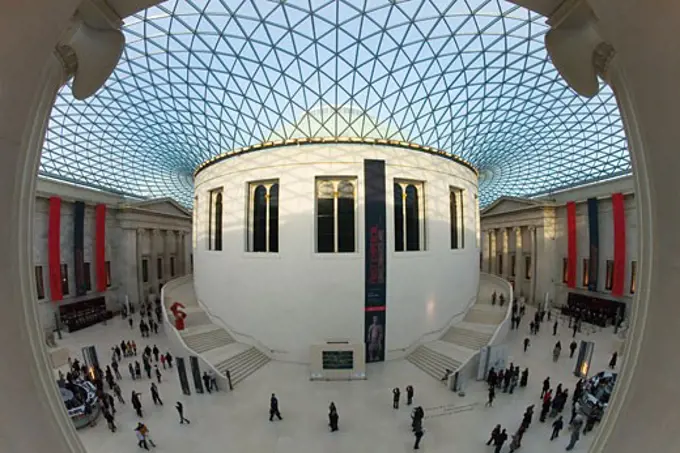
179 315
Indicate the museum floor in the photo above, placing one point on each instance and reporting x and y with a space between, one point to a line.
238 421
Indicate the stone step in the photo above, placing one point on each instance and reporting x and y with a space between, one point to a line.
242 365
205 341
466 338
431 362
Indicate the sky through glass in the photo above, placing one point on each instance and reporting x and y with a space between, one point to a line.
470 77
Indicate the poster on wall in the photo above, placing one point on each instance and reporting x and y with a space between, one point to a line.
375 255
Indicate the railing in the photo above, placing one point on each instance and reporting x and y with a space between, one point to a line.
468 369
175 337
434 333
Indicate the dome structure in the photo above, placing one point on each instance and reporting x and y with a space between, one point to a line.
200 78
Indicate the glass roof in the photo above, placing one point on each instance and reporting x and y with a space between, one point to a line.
198 78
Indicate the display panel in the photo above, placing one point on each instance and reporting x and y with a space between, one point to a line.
338 360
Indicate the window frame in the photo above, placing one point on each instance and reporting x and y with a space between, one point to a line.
268 184
585 277
609 275
422 221
513 265
528 267
172 266
336 181
633 276
457 194
215 241
499 264
565 270
159 267
145 269
63 273
39 282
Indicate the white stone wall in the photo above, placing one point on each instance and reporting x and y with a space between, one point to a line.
295 298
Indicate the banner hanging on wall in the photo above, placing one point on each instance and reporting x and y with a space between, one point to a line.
619 215
571 244
375 256
79 246
594 233
54 248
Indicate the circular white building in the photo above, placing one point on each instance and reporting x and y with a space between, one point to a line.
304 240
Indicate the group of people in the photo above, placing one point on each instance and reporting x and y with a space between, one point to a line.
501 299
506 380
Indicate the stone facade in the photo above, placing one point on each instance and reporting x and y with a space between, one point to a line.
130 225
536 230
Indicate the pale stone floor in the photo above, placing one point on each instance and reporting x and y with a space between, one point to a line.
238 421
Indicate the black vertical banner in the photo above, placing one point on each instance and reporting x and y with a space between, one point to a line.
182 374
196 373
375 255
79 247
593 231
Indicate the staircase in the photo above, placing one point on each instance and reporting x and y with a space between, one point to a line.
211 341
484 314
207 340
243 364
432 362
470 339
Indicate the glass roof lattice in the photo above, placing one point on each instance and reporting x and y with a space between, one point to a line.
470 77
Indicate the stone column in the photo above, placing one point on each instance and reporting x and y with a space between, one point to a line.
519 261
485 251
492 251
153 267
167 241
532 282
181 253
140 279
505 271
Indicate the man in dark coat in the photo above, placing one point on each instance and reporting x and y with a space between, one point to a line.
274 408
396 393
494 434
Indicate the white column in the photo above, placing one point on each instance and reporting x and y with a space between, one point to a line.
154 236
505 271
486 247
519 261
167 240
492 251
532 282
140 278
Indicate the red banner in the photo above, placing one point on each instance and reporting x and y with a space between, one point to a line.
54 248
571 244
619 215
100 246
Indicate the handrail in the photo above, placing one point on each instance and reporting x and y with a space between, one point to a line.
447 325
178 336
508 312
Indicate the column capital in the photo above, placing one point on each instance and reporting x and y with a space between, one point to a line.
517 229
532 228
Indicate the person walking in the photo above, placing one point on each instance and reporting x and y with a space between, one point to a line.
115 367
409 395
555 328
612 362
141 439
333 417
213 380
575 432
132 325
396 393
147 368
494 434
163 360
134 347
180 410
155 352
492 396
145 432
419 435
525 378
499 441
168 358
417 416
527 342
556 351
158 374
572 348
274 408
136 403
118 393
110 421
206 382
557 427
528 415
546 386
132 370
155 395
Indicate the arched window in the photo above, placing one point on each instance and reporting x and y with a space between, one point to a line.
409 218
274 218
345 216
398 218
218 221
456 212
335 215
263 218
260 219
